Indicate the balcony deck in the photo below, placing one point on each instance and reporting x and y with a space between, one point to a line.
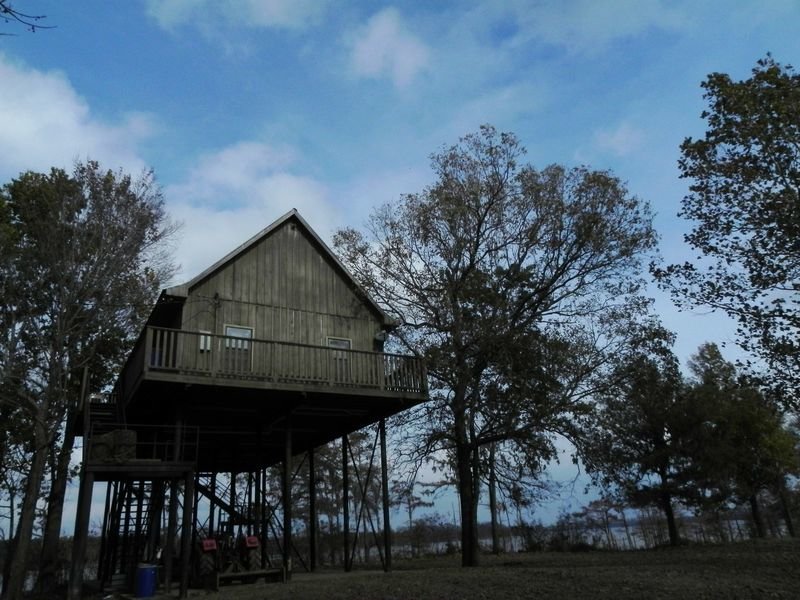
242 394
190 357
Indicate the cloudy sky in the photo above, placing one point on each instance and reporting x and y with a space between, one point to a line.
247 108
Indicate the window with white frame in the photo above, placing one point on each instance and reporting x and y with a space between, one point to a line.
238 337
205 340
237 357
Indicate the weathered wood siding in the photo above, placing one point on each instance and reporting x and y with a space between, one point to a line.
286 290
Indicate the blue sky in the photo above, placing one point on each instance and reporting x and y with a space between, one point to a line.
247 108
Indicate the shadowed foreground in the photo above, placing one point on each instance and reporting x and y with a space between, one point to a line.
765 569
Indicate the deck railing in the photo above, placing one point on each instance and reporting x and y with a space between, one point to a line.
110 442
206 354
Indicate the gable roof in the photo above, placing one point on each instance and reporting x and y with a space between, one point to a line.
182 290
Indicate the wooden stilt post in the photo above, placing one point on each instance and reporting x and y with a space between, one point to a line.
195 507
256 516
265 516
231 531
138 533
259 527
104 535
212 505
81 533
346 504
249 510
118 505
172 524
312 509
287 502
154 518
186 533
387 527
124 559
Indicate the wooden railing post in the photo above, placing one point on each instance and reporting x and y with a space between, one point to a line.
330 362
148 349
216 355
179 343
272 363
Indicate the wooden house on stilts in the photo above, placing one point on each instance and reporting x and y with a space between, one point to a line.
268 354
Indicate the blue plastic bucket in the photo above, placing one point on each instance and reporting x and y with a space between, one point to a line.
145 580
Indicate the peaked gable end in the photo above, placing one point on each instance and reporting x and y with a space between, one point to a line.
286 264
286 269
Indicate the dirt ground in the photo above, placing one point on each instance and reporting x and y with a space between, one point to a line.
763 569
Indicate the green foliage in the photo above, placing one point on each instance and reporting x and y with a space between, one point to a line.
712 442
86 258
635 441
742 446
85 254
744 203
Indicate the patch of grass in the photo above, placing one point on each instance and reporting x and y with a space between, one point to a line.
763 569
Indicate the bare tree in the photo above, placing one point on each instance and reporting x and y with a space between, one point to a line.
9 14
490 271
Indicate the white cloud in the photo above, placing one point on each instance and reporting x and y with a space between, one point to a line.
285 13
587 25
622 141
232 194
170 14
497 105
385 47
45 123
288 14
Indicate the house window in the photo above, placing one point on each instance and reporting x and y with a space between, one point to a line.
237 356
241 335
205 340
339 343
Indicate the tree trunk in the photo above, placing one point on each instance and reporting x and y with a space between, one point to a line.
465 463
719 526
469 516
13 588
672 527
785 508
628 537
758 520
476 495
493 501
610 539
48 568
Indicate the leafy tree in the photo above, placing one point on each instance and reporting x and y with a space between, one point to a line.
86 259
742 447
744 203
488 271
634 442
